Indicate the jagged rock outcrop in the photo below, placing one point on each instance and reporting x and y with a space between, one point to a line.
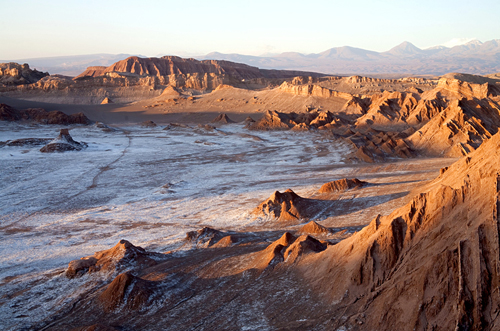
437 256
314 90
223 119
459 129
205 237
121 256
106 100
314 228
16 74
288 249
41 116
274 120
286 207
63 143
373 145
127 292
303 245
341 185
273 253
388 108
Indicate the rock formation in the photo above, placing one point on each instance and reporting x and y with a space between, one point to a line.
7 113
188 73
106 101
63 143
286 207
16 74
223 119
459 129
304 244
119 257
314 229
341 185
148 124
27 142
41 116
205 237
437 256
272 120
127 292
450 118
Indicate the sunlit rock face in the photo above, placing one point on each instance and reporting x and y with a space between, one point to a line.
12 74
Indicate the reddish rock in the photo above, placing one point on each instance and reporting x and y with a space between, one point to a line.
286 207
121 255
341 185
205 237
126 291
222 118
314 228
42 116
16 74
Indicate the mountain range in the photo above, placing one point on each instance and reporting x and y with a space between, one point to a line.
474 57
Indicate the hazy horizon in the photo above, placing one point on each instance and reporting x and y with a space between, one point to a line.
449 44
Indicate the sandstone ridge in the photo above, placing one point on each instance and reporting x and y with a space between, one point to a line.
447 237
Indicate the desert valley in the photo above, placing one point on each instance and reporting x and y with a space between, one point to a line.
169 193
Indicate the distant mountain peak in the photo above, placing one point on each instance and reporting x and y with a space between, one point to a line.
405 48
474 42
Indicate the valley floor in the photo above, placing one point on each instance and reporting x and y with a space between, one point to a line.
151 186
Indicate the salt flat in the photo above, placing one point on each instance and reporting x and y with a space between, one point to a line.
150 186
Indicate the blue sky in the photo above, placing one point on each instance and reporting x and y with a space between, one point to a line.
31 28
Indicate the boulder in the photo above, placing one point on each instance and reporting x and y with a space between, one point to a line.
341 185
63 143
223 119
286 207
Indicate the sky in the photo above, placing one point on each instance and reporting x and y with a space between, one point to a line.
34 28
